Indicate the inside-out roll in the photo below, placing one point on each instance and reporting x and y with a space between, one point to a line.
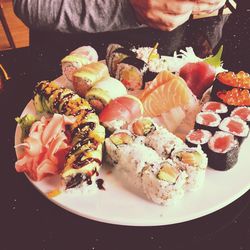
85 77
104 91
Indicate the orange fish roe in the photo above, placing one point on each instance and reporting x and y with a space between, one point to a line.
235 97
240 80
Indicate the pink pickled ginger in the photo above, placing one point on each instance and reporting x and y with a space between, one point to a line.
43 152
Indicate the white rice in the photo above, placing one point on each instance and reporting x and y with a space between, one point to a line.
160 191
163 142
196 175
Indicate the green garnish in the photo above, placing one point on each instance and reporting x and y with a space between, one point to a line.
215 60
25 124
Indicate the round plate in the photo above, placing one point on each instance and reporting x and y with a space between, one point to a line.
118 204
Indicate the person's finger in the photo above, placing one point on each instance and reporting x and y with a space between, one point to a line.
168 22
206 8
178 9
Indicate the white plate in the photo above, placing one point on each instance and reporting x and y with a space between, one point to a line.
119 205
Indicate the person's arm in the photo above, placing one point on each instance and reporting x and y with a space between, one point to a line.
76 15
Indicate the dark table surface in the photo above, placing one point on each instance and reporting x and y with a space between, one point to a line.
30 221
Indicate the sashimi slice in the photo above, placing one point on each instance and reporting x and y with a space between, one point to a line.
160 79
171 94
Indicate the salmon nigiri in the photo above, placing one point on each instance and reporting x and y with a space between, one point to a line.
167 91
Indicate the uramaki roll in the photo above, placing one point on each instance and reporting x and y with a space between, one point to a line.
85 77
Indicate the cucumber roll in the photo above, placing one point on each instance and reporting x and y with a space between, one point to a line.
85 77
223 151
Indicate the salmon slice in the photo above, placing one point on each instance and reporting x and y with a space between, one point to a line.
169 94
160 79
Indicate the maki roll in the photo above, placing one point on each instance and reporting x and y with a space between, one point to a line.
104 91
194 162
223 151
163 183
85 77
198 137
115 54
71 63
207 120
130 71
129 156
77 59
229 80
143 126
242 113
235 126
87 135
87 52
234 98
215 107
163 141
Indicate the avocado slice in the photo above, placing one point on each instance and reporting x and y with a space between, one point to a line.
168 173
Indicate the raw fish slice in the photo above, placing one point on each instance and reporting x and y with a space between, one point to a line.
160 79
173 93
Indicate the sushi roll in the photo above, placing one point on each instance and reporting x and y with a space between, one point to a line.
163 142
194 161
215 107
234 98
115 54
235 126
198 137
104 91
129 157
163 183
226 81
207 120
87 135
86 51
143 126
85 77
130 71
71 63
242 113
223 151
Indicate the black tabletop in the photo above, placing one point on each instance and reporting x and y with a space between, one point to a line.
30 221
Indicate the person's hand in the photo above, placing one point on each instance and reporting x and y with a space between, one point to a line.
169 14
207 6
163 14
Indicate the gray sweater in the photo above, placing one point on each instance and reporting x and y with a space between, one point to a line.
72 16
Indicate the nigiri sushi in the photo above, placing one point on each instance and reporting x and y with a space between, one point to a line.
121 111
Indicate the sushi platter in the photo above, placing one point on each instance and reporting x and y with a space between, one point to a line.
165 135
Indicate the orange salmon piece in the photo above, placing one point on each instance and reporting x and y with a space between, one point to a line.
167 95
